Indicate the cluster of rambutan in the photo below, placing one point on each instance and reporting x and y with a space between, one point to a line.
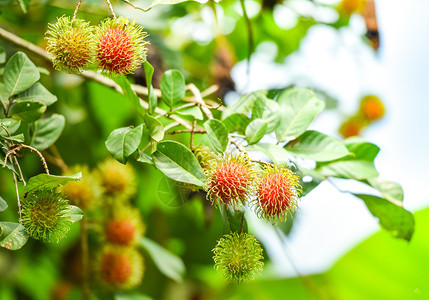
105 195
233 179
116 46
272 191
371 109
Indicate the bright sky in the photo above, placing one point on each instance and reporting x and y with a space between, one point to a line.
330 222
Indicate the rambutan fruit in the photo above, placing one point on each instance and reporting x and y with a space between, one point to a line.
349 7
230 179
372 108
85 193
238 257
120 46
125 228
117 180
46 215
277 193
70 44
353 126
204 155
120 268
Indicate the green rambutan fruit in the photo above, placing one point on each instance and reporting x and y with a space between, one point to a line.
120 46
230 179
238 257
277 193
70 44
120 268
46 215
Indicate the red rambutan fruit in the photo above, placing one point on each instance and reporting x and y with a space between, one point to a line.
372 108
125 228
230 178
277 193
120 46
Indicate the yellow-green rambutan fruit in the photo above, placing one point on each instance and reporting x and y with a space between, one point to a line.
371 108
85 193
117 180
230 179
120 268
238 257
120 46
277 192
204 155
46 215
71 44
125 228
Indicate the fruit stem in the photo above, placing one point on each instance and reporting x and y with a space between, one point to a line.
85 259
76 9
111 9
15 180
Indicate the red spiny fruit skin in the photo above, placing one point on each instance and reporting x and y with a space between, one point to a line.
115 268
115 51
120 232
231 181
275 194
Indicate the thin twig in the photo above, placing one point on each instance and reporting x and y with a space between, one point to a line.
111 9
199 99
191 143
85 259
171 125
15 180
45 165
76 9
237 145
136 7
186 131
20 171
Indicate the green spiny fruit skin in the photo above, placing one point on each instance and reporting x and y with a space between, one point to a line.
46 215
120 46
238 257
71 45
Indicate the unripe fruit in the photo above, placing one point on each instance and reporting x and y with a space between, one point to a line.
85 193
46 215
238 257
277 193
120 268
117 180
372 108
120 46
204 155
125 228
71 44
230 179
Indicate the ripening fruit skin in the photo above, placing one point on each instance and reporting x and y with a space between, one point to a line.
85 193
71 45
120 46
117 180
238 257
277 193
125 228
46 215
372 108
120 268
353 126
230 179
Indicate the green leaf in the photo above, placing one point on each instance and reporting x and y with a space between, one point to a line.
237 123
177 162
3 204
37 93
132 296
49 181
298 107
20 74
172 87
233 220
397 220
2 55
158 2
25 5
11 126
144 158
267 110
392 191
156 130
361 149
148 71
130 94
277 154
14 236
169 264
316 146
151 97
47 131
309 179
191 111
256 130
27 111
19 138
218 134
244 104
76 214
4 96
122 142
